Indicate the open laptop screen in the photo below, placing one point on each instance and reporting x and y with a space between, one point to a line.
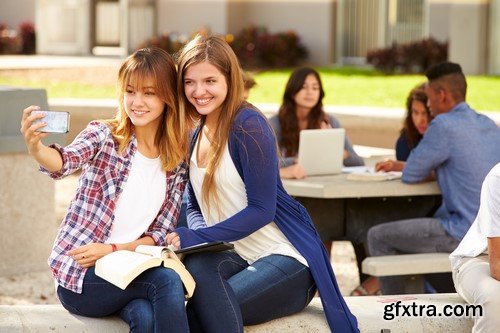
321 151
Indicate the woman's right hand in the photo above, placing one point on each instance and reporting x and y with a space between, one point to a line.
29 130
390 165
87 255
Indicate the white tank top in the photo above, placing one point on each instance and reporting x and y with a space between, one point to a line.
140 201
232 199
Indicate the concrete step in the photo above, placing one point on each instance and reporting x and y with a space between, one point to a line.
407 264
399 313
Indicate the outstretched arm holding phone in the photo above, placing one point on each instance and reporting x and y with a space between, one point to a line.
129 193
47 157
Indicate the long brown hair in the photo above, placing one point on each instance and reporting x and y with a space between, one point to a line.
217 52
409 130
287 112
171 137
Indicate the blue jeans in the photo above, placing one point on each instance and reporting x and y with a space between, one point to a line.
153 302
230 293
419 235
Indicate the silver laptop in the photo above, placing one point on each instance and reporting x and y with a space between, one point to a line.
321 151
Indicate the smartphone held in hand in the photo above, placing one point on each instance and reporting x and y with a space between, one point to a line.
57 121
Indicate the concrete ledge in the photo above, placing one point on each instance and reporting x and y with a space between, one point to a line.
368 126
27 218
28 223
54 318
376 127
83 112
407 264
13 101
370 312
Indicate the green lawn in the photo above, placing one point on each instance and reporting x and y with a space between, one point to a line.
370 88
63 89
343 86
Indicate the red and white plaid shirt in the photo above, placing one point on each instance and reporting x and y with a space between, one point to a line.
91 213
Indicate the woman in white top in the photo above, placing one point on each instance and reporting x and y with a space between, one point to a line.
236 195
129 194
476 260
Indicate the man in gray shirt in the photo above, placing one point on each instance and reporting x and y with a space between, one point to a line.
459 149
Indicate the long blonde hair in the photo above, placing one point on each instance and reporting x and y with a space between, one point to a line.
171 137
217 52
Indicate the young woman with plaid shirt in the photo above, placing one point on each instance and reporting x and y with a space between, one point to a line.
129 193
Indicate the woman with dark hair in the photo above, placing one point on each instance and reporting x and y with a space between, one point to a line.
418 117
302 108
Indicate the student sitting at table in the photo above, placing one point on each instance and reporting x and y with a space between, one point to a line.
418 117
302 108
459 147
476 261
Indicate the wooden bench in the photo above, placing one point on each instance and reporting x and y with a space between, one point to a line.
374 313
412 266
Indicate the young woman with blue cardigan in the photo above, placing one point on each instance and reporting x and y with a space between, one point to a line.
236 195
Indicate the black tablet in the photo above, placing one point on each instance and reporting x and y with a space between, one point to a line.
206 247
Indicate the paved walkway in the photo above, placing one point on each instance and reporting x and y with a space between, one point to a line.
48 61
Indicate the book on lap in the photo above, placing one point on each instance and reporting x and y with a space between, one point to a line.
123 266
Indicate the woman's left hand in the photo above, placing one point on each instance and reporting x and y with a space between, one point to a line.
87 255
174 240
294 171
345 155
324 125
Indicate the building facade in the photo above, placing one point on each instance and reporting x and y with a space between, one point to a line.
334 31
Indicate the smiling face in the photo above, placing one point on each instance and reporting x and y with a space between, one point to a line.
205 88
308 96
419 116
142 104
